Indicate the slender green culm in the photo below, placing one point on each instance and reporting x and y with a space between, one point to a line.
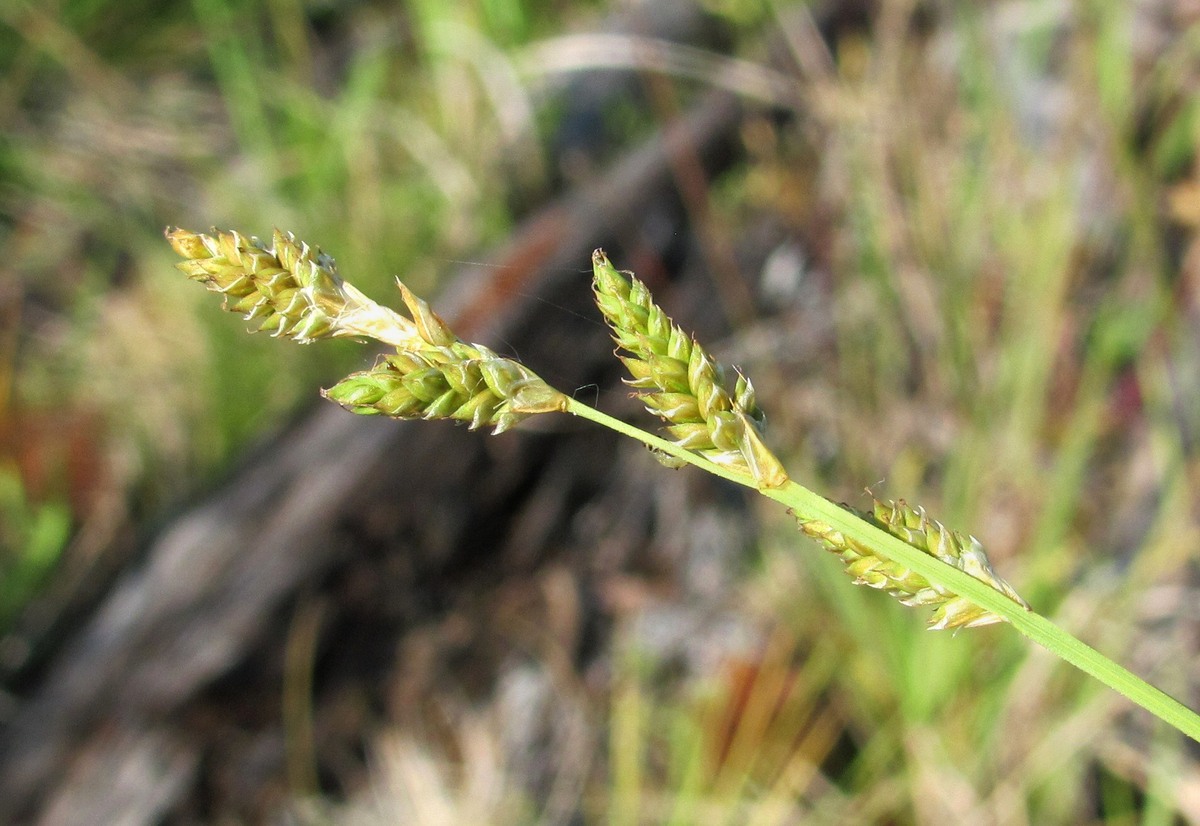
293 291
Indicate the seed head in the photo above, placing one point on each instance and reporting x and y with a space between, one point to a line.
289 289
464 382
680 383
915 528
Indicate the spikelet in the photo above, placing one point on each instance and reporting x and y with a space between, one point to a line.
294 291
679 382
446 378
289 289
914 527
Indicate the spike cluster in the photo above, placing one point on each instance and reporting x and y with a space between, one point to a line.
294 291
915 528
679 382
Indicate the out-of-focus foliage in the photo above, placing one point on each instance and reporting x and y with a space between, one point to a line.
985 287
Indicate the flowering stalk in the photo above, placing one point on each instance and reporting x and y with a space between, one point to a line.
294 291
678 381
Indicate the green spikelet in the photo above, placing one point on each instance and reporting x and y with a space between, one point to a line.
680 383
440 376
914 527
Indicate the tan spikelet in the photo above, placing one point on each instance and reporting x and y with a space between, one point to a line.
289 289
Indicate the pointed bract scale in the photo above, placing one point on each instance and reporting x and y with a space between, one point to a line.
429 324
535 396
764 465
670 375
691 435
672 406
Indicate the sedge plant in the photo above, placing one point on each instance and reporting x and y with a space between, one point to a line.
711 415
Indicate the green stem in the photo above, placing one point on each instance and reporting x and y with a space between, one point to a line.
810 505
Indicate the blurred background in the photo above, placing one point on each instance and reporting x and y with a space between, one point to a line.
954 245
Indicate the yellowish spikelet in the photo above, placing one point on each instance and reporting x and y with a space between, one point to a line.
914 527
